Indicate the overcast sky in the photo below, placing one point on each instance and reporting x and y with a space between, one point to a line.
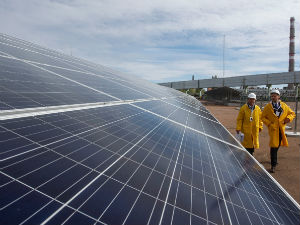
161 40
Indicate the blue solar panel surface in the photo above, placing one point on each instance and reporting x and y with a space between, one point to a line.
144 154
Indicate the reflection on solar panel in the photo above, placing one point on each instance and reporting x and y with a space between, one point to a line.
83 144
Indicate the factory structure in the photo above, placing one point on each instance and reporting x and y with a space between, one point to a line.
246 84
287 93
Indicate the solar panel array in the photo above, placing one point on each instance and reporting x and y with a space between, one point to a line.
83 144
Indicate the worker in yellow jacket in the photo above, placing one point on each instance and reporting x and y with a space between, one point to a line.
249 124
275 116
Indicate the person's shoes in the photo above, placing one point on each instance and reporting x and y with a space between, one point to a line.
272 170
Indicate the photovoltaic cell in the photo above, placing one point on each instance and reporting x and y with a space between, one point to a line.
48 60
162 160
24 86
26 54
109 86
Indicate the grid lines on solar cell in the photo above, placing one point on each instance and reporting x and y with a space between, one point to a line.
23 86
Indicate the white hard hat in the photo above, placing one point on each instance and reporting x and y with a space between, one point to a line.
275 91
252 95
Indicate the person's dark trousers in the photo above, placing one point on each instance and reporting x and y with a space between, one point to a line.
250 150
273 152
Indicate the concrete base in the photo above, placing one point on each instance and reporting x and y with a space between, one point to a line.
232 104
292 134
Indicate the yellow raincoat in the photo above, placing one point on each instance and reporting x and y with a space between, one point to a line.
273 123
249 128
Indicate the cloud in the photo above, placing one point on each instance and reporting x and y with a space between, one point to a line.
161 40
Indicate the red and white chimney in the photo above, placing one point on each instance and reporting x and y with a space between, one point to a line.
292 49
292 45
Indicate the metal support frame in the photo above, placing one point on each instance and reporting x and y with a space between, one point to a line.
296 108
269 86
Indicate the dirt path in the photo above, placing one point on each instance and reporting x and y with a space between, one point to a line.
288 169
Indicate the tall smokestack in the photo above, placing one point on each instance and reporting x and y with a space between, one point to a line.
292 49
292 45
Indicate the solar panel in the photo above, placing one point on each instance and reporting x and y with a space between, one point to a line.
84 144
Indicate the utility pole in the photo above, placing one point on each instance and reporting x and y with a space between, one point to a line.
224 55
